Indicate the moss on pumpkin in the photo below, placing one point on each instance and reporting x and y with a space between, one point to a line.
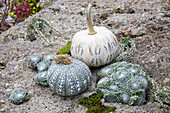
65 49
94 104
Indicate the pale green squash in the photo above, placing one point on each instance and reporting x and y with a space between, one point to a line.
69 78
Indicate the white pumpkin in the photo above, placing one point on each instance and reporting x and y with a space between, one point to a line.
96 46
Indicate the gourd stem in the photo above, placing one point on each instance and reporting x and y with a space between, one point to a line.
89 22
62 58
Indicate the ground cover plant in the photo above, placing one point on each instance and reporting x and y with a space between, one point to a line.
94 104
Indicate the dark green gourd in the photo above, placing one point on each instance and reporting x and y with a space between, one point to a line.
68 76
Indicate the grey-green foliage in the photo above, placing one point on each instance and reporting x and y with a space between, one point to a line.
161 93
41 78
126 49
19 96
33 60
123 82
49 57
43 65
40 29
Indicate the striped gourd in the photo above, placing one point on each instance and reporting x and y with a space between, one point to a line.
68 76
96 46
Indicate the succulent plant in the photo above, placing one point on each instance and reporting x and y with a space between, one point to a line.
19 96
34 59
41 78
49 57
68 76
123 82
43 65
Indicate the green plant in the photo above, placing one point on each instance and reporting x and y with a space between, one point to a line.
41 78
126 41
123 82
94 104
38 29
65 49
104 16
24 8
68 76
161 93
43 65
33 60
19 96
127 48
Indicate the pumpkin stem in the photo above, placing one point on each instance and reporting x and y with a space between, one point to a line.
62 58
89 22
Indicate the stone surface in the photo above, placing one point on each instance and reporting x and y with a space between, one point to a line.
68 16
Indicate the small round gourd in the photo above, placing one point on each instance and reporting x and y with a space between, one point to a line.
68 76
96 46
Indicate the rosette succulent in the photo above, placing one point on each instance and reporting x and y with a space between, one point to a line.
123 82
43 65
41 78
19 96
34 59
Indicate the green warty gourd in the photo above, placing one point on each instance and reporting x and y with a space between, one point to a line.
123 82
68 79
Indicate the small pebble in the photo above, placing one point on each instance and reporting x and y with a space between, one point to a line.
16 85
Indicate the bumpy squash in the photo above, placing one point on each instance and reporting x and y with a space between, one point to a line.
124 82
68 76
96 46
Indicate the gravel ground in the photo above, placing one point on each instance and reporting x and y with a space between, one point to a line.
150 29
